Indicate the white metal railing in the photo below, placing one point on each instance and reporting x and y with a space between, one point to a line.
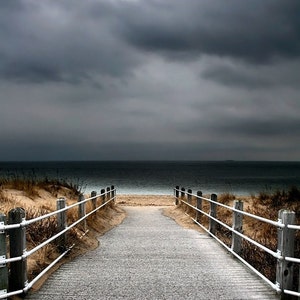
284 253
107 195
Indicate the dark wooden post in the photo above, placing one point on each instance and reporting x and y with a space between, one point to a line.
103 195
3 254
17 241
113 192
189 200
213 213
94 201
286 238
176 195
237 224
199 206
61 224
82 211
108 195
182 192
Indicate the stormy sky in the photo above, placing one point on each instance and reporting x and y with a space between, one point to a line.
150 80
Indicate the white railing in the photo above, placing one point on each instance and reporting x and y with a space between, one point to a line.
285 245
17 283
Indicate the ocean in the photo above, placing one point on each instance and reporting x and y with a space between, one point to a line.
160 177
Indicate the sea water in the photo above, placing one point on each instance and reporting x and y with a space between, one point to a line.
160 177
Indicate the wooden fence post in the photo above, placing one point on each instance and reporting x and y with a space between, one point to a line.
103 195
176 195
108 195
61 224
213 213
17 241
286 238
94 201
3 255
199 206
113 192
182 192
189 200
237 224
82 211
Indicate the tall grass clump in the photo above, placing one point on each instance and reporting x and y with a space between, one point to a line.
29 184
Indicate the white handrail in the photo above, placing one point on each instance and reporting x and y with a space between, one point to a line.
25 223
273 253
278 224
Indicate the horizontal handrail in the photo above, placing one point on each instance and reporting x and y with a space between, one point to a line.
111 192
278 223
273 253
283 226
40 218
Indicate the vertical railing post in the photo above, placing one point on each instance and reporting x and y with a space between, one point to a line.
103 195
189 200
286 238
113 192
182 194
94 201
61 224
3 255
17 241
213 213
82 211
108 195
199 206
176 195
237 225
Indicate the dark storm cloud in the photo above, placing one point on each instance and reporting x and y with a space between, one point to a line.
149 79
57 41
72 41
254 31
284 73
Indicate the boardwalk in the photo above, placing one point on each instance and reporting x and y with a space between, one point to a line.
149 256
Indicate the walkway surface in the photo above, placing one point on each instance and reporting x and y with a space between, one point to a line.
149 256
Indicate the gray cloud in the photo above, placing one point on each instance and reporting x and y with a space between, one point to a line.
253 31
149 79
50 41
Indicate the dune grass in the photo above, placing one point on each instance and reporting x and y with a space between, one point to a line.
38 197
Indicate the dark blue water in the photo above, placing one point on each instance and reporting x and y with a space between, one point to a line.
160 177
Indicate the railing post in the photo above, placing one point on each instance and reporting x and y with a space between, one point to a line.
286 238
3 266
176 195
189 200
82 211
17 241
213 213
182 194
113 192
237 224
94 201
61 224
103 195
108 193
199 206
